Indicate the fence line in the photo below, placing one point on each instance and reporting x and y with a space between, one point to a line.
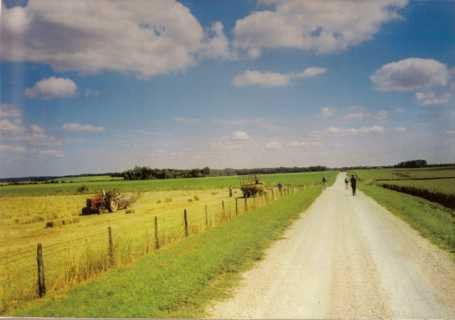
99 251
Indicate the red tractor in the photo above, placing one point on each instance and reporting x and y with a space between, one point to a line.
110 201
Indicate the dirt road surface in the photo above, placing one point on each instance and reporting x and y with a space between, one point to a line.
346 257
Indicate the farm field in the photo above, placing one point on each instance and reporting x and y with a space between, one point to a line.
422 197
75 247
406 174
88 179
434 184
446 186
152 185
197 270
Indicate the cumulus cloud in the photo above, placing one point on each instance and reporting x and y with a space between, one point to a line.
216 44
320 26
52 87
239 136
85 128
400 129
273 79
410 75
258 78
355 131
430 98
312 72
328 112
363 115
142 37
431 81
274 145
18 137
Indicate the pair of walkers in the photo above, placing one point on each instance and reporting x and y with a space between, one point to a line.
353 182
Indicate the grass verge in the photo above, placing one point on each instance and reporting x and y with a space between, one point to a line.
431 220
182 279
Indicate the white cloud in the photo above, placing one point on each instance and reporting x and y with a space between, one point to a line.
400 129
86 128
216 45
273 79
14 20
430 98
321 26
9 111
240 136
142 37
328 112
185 120
11 148
52 87
54 153
312 72
274 145
410 75
20 138
9 127
361 115
258 78
297 143
355 131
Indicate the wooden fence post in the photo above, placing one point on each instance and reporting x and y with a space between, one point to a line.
157 239
110 246
40 266
236 207
223 209
185 219
245 204
230 192
206 217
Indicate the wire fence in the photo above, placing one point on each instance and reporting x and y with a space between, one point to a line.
49 267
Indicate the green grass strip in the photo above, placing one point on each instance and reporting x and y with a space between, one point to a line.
431 220
182 279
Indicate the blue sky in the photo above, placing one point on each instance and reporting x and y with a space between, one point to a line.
106 85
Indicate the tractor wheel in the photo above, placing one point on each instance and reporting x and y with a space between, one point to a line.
112 206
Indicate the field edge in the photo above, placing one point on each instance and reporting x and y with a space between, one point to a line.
431 220
212 280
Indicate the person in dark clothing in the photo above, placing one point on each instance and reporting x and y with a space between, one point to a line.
346 183
353 184
324 181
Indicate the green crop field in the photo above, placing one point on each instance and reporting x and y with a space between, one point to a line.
406 174
87 179
446 186
75 247
432 216
153 185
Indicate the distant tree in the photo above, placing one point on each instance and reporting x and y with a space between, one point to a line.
412 164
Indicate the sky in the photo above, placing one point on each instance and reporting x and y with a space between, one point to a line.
97 86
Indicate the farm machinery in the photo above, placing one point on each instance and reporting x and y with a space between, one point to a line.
110 201
251 186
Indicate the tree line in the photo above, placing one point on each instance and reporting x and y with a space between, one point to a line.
145 173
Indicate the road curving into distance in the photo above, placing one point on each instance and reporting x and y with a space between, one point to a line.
346 257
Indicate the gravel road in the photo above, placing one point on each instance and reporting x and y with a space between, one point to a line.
346 257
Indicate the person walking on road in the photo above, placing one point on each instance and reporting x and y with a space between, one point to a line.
353 184
346 183
324 181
